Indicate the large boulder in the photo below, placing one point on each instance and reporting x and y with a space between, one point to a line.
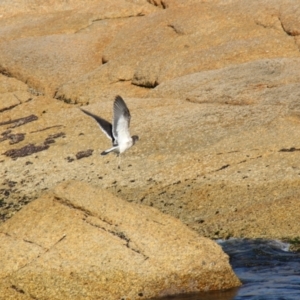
54 43
83 242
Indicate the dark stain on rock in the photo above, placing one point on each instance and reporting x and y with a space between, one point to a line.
49 141
20 121
19 290
51 138
69 159
242 161
7 208
257 157
161 193
26 150
292 149
11 183
85 153
223 167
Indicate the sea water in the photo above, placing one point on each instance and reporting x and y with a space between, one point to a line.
266 268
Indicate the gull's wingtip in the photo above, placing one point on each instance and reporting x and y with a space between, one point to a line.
85 111
118 97
119 101
120 105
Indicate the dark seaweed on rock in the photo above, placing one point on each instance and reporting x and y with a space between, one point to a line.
20 121
85 153
57 135
30 148
14 138
25 151
51 138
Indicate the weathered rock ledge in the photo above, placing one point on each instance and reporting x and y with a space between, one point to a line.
82 242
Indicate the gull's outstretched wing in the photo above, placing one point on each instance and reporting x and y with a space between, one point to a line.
104 125
121 122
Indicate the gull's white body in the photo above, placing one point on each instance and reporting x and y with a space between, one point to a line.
118 131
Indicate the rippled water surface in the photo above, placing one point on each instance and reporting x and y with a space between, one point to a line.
267 270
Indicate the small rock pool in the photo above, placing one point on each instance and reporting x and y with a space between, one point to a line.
266 268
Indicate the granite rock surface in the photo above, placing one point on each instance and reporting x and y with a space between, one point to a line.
213 88
83 242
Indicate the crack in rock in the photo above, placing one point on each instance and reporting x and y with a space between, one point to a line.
140 14
39 255
46 128
118 234
80 208
88 213
19 290
33 243
14 105
222 168
176 29
9 107
292 149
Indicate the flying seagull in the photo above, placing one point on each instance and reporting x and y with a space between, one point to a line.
118 131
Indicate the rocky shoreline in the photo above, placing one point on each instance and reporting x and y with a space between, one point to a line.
213 89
